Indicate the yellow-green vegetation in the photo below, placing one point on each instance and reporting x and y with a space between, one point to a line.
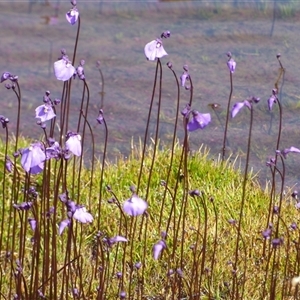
200 231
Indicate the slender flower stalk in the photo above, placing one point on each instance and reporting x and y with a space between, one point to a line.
236 293
231 66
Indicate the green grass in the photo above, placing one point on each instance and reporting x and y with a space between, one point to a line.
221 189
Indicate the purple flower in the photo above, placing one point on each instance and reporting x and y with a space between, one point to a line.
45 112
293 226
185 75
273 99
288 150
236 108
135 206
62 225
54 151
82 216
277 242
5 76
267 233
231 65
33 158
32 223
158 248
80 70
154 50
23 206
100 118
198 121
72 15
117 239
73 143
8 164
63 69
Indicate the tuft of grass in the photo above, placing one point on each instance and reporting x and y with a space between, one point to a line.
204 243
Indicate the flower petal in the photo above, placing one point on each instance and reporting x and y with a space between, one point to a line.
63 70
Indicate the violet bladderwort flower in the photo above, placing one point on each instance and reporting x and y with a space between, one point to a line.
73 143
239 105
80 70
135 206
155 48
33 158
286 151
63 68
198 121
273 99
73 14
185 76
158 248
231 64
44 112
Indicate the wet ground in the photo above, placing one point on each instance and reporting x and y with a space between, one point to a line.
32 34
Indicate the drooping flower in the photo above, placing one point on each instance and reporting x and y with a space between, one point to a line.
80 70
33 158
4 121
198 121
8 164
23 206
45 112
82 215
286 151
73 143
54 151
63 69
154 50
231 64
236 108
273 99
185 75
100 118
32 223
158 248
63 224
135 206
72 15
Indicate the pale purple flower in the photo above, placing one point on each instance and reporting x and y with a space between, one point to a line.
5 76
82 216
273 99
72 15
4 121
45 112
158 248
80 70
288 150
277 242
198 121
54 151
135 206
236 108
32 223
185 75
231 65
267 233
8 164
23 206
154 50
63 69
33 158
62 225
117 239
73 143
